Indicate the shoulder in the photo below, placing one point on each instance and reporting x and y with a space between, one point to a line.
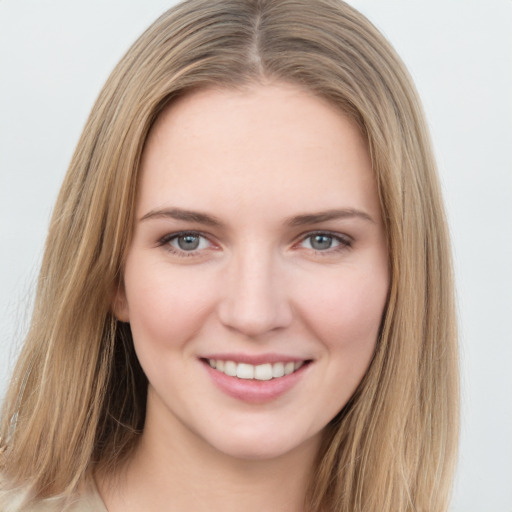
88 500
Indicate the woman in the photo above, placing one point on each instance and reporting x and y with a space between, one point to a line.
246 296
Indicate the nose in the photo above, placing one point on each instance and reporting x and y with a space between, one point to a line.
255 299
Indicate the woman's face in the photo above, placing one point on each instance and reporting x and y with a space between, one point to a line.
257 276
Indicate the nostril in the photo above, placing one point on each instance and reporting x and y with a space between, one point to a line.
254 318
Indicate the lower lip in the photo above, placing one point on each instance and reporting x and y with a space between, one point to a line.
255 391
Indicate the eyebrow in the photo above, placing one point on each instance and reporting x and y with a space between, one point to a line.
179 214
298 220
316 218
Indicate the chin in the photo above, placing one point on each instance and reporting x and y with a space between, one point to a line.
263 446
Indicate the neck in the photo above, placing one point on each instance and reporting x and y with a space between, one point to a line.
174 469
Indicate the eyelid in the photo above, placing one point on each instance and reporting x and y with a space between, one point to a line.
165 240
345 241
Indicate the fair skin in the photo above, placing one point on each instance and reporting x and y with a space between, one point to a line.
258 249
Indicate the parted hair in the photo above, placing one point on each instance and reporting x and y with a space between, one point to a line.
76 402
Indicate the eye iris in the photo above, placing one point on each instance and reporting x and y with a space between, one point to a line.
321 242
188 242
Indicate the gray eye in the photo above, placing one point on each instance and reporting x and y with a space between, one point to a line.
188 242
181 243
321 242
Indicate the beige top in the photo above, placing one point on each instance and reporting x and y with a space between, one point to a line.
88 500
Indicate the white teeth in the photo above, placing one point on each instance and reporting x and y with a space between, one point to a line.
288 368
277 370
245 371
230 368
263 372
266 371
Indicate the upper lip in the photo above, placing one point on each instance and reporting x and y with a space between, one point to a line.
255 359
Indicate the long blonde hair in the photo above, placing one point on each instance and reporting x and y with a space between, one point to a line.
77 397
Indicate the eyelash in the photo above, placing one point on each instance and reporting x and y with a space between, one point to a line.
167 239
344 242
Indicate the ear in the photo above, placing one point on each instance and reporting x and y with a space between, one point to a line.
120 304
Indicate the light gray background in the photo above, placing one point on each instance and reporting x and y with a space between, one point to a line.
56 54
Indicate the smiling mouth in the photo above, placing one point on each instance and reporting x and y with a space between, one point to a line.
245 371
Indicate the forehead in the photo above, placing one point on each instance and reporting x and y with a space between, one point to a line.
273 143
256 106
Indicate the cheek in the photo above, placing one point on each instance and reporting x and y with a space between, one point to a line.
347 312
166 308
345 318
